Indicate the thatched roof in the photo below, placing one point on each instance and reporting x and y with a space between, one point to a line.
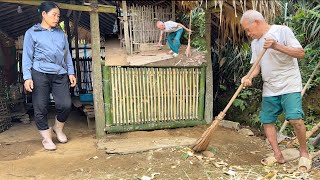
227 14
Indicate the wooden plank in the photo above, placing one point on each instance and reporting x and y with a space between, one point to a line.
96 74
97 8
141 60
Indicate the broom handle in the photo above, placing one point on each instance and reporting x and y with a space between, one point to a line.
241 86
285 123
190 27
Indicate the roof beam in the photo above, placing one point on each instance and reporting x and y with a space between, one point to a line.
104 8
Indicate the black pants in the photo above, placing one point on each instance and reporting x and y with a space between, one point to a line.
43 84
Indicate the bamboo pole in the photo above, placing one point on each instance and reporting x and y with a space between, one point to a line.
127 97
181 95
144 94
120 95
202 92
93 8
165 95
194 75
130 95
197 92
186 93
190 93
154 95
114 96
162 93
159 94
148 94
107 95
174 85
134 79
96 74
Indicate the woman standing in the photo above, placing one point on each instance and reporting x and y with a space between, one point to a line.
47 67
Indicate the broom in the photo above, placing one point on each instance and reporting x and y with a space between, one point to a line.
188 50
202 143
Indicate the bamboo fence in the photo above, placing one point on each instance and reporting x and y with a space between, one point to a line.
142 24
138 98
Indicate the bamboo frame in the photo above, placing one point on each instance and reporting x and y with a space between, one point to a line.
145 97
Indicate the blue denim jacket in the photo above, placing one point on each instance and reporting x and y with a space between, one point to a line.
44 51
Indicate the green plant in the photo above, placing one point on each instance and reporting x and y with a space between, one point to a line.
197 26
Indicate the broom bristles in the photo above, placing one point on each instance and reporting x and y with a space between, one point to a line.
202 143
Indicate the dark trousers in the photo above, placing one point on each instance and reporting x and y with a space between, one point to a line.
43 84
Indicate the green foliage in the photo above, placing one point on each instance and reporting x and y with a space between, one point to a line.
305 22
198 28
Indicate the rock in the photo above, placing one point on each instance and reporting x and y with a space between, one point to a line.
246 132
208 154
230 124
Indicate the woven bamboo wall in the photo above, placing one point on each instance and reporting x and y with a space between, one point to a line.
142 24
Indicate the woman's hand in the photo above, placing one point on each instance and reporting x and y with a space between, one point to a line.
73 80
28 85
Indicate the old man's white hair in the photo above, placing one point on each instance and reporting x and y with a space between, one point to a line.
251 16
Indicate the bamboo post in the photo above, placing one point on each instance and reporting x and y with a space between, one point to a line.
113 94
174 85
194 75
161 92
126 28
130 94
202 92
124 110
144 94
197 91
117 96
134 78
96 74
107 94
173 7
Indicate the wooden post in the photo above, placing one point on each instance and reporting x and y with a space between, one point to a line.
76 44
202 93
208 116
173 7
126 28
96 73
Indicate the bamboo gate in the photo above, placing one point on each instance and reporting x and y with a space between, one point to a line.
148 98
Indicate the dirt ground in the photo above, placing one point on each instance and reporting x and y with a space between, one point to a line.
22 156
116 56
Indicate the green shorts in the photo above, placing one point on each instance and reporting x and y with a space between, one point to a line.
272 107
